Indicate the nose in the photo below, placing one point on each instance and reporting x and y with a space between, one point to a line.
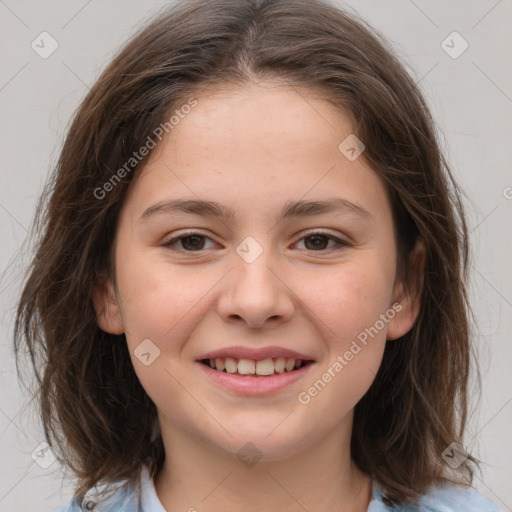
256 294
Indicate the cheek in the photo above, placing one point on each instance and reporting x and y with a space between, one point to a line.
161 303
345 301
348 304
159 299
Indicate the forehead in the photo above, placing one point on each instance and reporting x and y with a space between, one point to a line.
255 145
263 120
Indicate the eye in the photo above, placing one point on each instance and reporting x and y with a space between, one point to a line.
315 241
190 242
318 240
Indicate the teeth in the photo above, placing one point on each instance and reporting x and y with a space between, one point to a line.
231 365
267 366
279 364
246 367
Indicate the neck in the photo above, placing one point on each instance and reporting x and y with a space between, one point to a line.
320 477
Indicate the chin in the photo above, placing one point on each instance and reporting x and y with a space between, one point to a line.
257 444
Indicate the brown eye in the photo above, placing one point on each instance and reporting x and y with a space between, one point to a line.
319 242
193 242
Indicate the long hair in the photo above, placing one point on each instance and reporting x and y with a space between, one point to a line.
96 416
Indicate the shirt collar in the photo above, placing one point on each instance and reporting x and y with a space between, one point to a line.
149 501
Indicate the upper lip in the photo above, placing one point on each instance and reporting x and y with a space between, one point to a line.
256 354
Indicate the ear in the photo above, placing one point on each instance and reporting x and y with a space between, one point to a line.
409 298
106 305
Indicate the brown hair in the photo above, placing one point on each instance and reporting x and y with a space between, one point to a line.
96 415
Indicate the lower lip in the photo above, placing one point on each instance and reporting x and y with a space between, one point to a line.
255 385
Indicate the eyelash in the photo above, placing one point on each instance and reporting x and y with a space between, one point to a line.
340 243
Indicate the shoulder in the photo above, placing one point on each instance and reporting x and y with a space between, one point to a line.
446 497
451 497
118 497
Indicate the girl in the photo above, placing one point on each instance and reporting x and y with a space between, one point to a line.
249 293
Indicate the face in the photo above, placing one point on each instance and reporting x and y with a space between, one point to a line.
257 291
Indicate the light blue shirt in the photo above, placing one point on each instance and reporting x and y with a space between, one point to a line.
143 498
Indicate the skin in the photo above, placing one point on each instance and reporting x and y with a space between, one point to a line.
254 148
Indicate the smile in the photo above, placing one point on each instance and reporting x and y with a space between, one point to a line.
250 367
253 382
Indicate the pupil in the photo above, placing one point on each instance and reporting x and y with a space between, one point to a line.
316 237
192 246
319 242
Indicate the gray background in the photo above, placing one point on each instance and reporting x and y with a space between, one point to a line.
471 98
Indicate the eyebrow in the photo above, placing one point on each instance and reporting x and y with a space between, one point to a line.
291 209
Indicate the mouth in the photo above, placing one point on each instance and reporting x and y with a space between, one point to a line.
269 367
254 377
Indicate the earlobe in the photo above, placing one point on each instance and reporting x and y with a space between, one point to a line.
106 305
409 297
